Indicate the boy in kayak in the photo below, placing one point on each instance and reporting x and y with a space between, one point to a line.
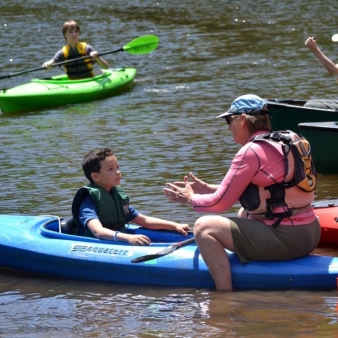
74 49
101 209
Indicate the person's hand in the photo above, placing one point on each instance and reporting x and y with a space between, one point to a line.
179 194
197 185
138 240
47 65
94 54
311 43
183 228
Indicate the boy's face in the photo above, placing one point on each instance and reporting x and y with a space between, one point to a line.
72 35
109 175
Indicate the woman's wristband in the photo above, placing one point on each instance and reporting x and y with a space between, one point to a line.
115 239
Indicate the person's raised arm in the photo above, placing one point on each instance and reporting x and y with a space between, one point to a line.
323 59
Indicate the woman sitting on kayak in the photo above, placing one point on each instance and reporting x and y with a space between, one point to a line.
74 49
276 221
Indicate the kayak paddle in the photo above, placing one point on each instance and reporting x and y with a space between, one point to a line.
141 45
171 248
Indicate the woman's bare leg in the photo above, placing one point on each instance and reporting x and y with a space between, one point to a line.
212 235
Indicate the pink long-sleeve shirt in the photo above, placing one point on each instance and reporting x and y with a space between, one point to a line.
257 163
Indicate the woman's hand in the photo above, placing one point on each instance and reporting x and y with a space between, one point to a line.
179 194
198 186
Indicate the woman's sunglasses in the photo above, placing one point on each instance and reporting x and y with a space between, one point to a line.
231 118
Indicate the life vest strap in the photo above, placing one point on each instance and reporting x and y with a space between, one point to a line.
286 214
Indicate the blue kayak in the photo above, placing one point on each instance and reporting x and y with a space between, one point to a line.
43 245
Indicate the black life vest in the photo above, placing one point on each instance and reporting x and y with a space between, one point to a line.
78 69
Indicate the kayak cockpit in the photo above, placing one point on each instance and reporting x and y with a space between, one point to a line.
65 229
63 78
61 229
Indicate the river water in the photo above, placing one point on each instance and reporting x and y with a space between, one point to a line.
210 52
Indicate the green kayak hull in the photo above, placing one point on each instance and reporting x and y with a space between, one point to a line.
58 90
287 114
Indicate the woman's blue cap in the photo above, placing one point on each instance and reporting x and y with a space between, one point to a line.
245 104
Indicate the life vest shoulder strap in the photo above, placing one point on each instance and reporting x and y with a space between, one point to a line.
81 48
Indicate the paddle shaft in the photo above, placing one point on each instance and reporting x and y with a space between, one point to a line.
185 243
58 64
170 249
141 45
85 57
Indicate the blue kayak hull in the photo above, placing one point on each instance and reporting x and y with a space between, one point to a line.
34 244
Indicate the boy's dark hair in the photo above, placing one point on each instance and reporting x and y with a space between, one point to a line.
92 161
68 25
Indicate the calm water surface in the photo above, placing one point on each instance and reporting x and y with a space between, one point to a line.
163 127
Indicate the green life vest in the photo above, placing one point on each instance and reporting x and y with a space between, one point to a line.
112 207
78 69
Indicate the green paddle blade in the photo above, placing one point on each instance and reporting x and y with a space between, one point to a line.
142 45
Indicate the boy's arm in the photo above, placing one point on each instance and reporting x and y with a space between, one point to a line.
48 64
100 232
158 223
88 216
101 62
58 57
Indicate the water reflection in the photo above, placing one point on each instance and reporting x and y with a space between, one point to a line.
121 311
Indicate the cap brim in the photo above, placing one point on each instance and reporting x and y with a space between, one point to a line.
224 115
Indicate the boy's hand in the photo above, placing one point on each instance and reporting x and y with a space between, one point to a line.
94 54
48 65
138 240
183 228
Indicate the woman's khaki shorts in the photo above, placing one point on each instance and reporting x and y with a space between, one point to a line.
256 241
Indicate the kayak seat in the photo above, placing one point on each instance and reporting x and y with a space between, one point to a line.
68 226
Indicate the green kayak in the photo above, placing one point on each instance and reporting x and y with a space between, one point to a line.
58 90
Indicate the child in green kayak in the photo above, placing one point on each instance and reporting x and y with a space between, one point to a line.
101 209
74 49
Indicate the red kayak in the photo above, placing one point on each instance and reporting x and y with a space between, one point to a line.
327 212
